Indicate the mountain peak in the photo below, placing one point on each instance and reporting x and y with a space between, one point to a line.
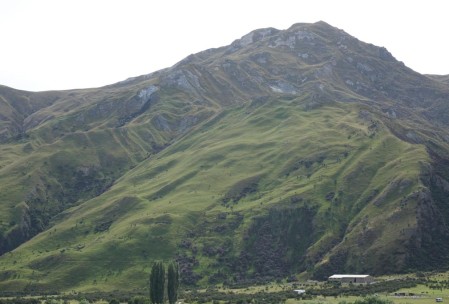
264 33
320 24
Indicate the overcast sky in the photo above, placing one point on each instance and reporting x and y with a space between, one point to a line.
66 44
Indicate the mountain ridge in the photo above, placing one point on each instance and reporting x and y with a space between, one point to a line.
289 152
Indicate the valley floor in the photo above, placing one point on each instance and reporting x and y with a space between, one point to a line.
427 293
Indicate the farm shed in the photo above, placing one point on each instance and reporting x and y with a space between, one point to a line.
352 278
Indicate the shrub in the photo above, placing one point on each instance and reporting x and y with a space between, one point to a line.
373 300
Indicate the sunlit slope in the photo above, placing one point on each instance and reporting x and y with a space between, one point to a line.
203 199
75 148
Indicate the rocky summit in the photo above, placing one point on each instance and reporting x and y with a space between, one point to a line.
289 153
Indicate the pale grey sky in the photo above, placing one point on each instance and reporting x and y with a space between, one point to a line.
65 44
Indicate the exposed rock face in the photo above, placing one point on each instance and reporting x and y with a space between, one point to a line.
251 38
139 104
183 79
283 87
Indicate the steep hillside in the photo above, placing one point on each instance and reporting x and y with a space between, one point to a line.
74 148
287 152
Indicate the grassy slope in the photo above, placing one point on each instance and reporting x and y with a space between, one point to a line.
97 136
156 205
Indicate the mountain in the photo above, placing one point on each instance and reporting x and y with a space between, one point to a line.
296 152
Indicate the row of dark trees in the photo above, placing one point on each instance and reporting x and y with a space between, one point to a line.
157 282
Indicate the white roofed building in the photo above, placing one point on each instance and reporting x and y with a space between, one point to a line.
352 278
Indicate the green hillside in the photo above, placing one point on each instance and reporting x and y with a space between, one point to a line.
274 156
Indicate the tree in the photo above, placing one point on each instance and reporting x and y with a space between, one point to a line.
157 282
172 282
